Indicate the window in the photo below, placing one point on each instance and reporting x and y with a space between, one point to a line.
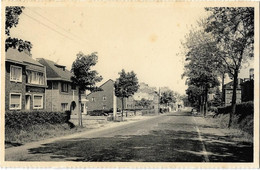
34 77
104 98
15 101
64 87
16 73
93 99
104 107
38 101
64 106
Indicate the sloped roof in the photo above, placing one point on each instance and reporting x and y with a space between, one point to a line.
230 85
55 71
109 80
13 55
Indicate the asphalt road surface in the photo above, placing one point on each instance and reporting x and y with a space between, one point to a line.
172 137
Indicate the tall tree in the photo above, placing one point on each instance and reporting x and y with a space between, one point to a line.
11 20
84 76
233 29
202 67
125 86
167 97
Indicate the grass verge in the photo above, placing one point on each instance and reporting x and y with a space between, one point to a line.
16 137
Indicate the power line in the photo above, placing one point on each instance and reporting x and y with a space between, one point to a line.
50 28
56 24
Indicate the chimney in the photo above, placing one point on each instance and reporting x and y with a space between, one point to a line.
251 74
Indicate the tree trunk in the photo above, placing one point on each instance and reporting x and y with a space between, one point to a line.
223 95
206 103
122 100
79 113
202 104
234 98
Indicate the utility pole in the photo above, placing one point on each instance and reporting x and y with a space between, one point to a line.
114 105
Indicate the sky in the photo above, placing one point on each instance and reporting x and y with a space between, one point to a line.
145 40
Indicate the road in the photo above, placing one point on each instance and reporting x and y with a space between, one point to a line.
172 137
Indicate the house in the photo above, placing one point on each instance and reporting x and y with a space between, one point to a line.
25 82
247 87
103 100
228 92
61 93
148 93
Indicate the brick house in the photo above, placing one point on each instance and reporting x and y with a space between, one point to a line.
103 100
228 92
61 93
25 82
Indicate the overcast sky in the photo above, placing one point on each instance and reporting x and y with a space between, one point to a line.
145 40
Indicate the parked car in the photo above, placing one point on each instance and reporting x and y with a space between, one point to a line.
194 111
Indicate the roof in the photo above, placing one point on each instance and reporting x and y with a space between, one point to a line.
109 80
13 55
230 84
55 71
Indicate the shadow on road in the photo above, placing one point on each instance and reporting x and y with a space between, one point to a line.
157 146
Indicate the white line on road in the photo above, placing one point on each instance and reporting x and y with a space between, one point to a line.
203 146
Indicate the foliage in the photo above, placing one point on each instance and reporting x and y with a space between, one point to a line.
202 67
21 119
143 103
126 85
245 108
83 76
233 30
167 97
12 19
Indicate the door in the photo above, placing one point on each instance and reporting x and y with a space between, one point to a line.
27 102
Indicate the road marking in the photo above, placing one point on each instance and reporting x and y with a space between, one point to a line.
204 151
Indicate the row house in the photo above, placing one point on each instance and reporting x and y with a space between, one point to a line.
25 82
61 93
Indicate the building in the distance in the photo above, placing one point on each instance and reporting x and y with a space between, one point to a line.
103 99
228 92
247 87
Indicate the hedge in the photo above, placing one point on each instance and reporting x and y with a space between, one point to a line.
24 119
241 108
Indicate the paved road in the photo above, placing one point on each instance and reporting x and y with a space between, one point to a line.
172 137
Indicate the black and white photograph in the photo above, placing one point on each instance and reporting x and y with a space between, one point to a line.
121 82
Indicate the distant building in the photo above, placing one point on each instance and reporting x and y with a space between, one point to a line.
228 92
247 87
61 94
25 82
103 100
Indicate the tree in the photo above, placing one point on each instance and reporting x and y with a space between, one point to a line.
202 68
83 76
144 103
233 30
167 97
125 86
11 20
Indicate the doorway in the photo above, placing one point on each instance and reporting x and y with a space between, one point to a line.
27 102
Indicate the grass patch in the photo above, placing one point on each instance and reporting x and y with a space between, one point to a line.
242 128
15 137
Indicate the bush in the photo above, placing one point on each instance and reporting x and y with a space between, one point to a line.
245 108
23 119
